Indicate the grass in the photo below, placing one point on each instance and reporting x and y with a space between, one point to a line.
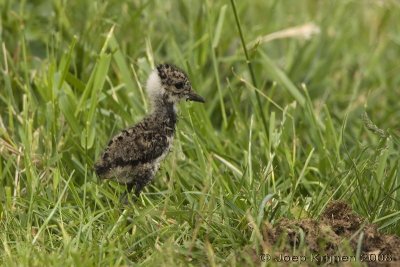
281 135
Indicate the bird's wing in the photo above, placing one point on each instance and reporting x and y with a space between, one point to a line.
131 147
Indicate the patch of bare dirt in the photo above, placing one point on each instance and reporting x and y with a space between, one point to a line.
325 239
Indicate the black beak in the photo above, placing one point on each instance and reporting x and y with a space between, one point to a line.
192 96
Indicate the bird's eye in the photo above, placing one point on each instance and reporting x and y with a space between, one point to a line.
179 85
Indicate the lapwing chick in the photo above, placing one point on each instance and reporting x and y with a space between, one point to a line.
133 156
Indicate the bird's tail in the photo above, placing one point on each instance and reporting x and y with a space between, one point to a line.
101 169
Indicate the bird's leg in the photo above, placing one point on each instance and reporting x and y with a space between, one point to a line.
146 176
138 184
129 187
139 187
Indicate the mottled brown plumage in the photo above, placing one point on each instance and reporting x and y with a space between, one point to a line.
133 156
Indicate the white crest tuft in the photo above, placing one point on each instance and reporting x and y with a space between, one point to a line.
153 86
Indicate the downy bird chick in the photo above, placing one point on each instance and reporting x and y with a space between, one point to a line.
133 156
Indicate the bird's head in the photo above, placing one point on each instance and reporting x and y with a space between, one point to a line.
171 84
